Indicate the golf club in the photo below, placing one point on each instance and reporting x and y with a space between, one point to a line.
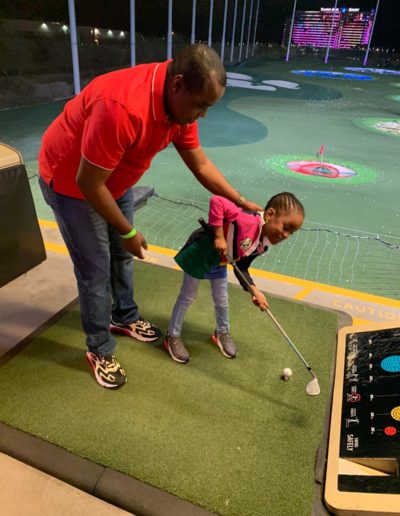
312 388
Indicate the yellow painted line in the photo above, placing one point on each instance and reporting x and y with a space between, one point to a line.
303 293
48 223
360 322
57 248
162 250
307 286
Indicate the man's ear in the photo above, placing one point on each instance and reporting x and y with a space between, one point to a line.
177 83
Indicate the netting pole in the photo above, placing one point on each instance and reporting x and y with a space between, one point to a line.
224 31
233 30
255 27
133 32
193 36
242 31
74 46
249 29
210 22
291 31
372 31
331 32
169 33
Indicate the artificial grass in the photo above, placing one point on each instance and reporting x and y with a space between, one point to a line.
228 435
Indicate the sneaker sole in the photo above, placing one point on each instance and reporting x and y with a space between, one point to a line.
218 343
130 333
179 360
100 381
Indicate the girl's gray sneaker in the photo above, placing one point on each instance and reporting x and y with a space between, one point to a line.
176 348
225 343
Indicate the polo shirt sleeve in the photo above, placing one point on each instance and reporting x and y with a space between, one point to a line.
187 137
221 210
108 131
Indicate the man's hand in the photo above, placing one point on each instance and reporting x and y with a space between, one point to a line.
259 299
251 206
220 245
135 245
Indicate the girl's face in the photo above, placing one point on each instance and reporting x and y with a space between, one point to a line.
278 228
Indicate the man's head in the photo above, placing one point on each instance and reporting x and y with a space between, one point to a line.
196 80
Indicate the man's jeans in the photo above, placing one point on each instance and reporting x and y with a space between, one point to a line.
103 269
219 289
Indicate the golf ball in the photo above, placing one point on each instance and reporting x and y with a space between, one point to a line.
286 373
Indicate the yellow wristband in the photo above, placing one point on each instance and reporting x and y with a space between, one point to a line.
131 234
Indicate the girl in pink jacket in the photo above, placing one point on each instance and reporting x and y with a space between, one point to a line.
242 236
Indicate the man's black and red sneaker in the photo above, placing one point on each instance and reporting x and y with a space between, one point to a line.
107 370
139 330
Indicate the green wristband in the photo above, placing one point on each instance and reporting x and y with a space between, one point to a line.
131 234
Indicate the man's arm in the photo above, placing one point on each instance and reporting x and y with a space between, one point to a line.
211 178
92 182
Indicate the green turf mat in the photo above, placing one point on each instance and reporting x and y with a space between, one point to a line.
228 435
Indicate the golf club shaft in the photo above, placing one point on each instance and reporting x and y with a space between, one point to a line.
250 289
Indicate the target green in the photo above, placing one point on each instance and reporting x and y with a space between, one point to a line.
393 125
396 98
278 165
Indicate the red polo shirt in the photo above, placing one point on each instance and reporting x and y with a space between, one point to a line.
118 122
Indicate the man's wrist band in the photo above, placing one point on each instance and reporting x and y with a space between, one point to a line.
241 201
131 234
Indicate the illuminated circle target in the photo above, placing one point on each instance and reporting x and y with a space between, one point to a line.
391 364
395 413
329 171
316 168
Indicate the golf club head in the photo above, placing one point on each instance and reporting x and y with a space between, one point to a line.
313 388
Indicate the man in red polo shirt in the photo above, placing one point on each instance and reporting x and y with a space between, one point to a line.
91 156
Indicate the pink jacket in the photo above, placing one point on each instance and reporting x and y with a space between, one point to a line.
242 229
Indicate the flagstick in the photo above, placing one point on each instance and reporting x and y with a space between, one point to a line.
321 155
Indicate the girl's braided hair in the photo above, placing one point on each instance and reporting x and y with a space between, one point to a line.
285 202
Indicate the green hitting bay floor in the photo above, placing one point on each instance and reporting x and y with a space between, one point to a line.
226 435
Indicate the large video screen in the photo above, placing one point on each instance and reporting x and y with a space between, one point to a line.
351 27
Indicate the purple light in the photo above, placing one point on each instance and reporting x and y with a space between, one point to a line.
350 29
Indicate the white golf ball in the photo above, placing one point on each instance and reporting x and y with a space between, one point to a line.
287 373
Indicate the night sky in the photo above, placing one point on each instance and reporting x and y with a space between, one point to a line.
151 16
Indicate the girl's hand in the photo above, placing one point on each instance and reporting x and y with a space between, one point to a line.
259 299
220 245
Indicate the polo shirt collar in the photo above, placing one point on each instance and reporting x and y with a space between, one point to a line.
157 91
263 240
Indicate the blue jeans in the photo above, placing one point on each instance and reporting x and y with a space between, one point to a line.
219 289
103 269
